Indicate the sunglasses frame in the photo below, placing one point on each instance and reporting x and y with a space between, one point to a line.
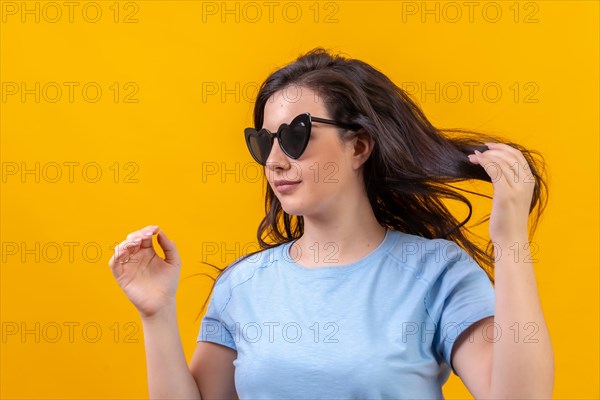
307 118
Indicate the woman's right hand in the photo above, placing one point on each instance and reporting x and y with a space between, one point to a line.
148 281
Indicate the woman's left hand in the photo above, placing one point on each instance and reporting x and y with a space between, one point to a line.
513 190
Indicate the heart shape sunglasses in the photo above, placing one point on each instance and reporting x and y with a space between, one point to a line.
293 137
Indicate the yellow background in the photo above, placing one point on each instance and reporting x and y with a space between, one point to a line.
178 132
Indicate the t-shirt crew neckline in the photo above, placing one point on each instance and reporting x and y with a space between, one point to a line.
333 270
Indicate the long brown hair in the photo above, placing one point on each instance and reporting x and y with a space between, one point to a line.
412 164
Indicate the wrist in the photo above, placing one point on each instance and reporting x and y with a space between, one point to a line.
519 238
515 249
165 313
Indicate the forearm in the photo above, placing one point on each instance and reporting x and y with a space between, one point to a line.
169 376
523 359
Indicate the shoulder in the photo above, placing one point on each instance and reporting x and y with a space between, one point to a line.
244 269
238 275
430 259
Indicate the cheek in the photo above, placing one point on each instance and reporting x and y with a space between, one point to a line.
326 165
322 177
332 170
296 172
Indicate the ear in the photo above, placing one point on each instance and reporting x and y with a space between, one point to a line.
362 146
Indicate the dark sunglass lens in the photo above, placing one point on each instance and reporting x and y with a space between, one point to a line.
259 145
294 138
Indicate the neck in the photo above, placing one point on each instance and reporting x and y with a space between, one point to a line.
347 233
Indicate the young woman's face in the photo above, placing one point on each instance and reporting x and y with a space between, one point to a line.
324 172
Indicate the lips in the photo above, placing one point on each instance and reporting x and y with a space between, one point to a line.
285 182
284 186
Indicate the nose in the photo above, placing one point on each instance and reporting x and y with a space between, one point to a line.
277 158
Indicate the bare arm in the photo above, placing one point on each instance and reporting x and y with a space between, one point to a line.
168 374
517 367
150 283
513 366
213 370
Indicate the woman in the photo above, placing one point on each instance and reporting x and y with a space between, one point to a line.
369 288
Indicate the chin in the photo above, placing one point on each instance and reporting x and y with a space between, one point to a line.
292 210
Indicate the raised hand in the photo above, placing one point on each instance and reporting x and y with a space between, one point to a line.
149 281
513 190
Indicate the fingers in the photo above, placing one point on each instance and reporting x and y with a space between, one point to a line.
125 250
142 239
495 165
513 156
146 235
170 250
503 163
123 254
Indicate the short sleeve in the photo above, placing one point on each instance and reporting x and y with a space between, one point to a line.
213 327
461 295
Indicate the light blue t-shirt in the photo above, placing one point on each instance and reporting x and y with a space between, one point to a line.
378 328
